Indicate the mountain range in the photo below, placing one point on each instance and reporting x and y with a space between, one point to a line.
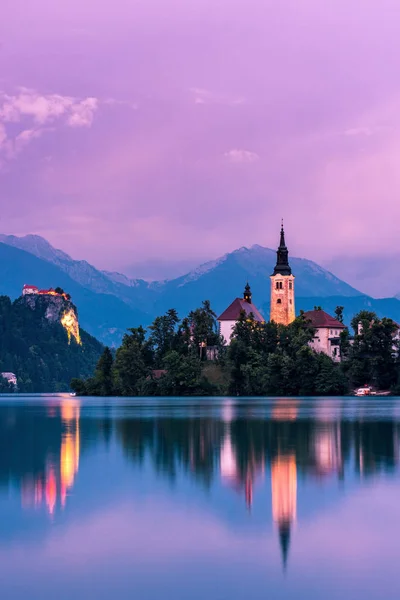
110 302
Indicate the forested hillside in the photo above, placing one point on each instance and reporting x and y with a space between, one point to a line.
38 351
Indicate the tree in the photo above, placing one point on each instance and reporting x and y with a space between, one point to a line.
79 386
339 313
183 376
164 335
130 362
204 328
104 373
373 354
331 380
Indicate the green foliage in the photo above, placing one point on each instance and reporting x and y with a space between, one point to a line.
372 359
271 359
339 313
170 359
38 352
163 336
204 328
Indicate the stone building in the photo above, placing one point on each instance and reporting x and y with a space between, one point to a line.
327 333
227 320
282 287
10 377
29 289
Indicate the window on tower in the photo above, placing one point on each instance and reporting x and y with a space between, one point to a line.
290 285
279 301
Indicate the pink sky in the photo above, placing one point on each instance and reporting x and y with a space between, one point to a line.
176 129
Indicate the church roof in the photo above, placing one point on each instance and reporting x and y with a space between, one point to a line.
232 313
320 319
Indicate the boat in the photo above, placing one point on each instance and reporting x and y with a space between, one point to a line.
365 391
73 394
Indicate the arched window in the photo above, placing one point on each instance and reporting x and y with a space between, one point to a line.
279 301
290 285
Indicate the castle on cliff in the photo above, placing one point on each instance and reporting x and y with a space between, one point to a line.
58 308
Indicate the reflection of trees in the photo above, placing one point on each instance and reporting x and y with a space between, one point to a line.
235 450
320 448
173 444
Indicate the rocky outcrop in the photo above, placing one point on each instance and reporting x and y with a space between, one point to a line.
56 309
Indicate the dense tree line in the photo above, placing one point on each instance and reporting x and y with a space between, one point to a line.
172 358
38 351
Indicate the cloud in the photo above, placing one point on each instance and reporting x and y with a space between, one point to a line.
25 137
37 113
355 131
82 113
3 135
203 96
241 156
46 108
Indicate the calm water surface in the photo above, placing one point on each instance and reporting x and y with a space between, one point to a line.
196 498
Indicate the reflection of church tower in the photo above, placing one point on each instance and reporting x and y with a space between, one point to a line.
284 498
282 287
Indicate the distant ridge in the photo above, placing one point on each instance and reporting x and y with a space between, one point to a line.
110 302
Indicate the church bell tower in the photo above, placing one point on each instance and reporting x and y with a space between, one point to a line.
282 286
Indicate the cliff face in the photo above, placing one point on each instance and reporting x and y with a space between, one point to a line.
56 309
41 343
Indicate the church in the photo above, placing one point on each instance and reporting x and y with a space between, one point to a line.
282 308
282 297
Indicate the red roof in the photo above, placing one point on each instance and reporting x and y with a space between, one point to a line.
232 313
157 373
320 319
30 287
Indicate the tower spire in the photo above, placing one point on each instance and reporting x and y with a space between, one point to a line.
282 266
247 293
284 540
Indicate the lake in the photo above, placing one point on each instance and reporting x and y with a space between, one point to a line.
189 499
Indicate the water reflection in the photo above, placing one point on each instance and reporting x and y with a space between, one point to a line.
226 448
60 465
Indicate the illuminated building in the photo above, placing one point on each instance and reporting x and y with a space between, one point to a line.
228 319
327 332
284 498
282 287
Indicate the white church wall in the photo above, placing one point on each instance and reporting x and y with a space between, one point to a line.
225 329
